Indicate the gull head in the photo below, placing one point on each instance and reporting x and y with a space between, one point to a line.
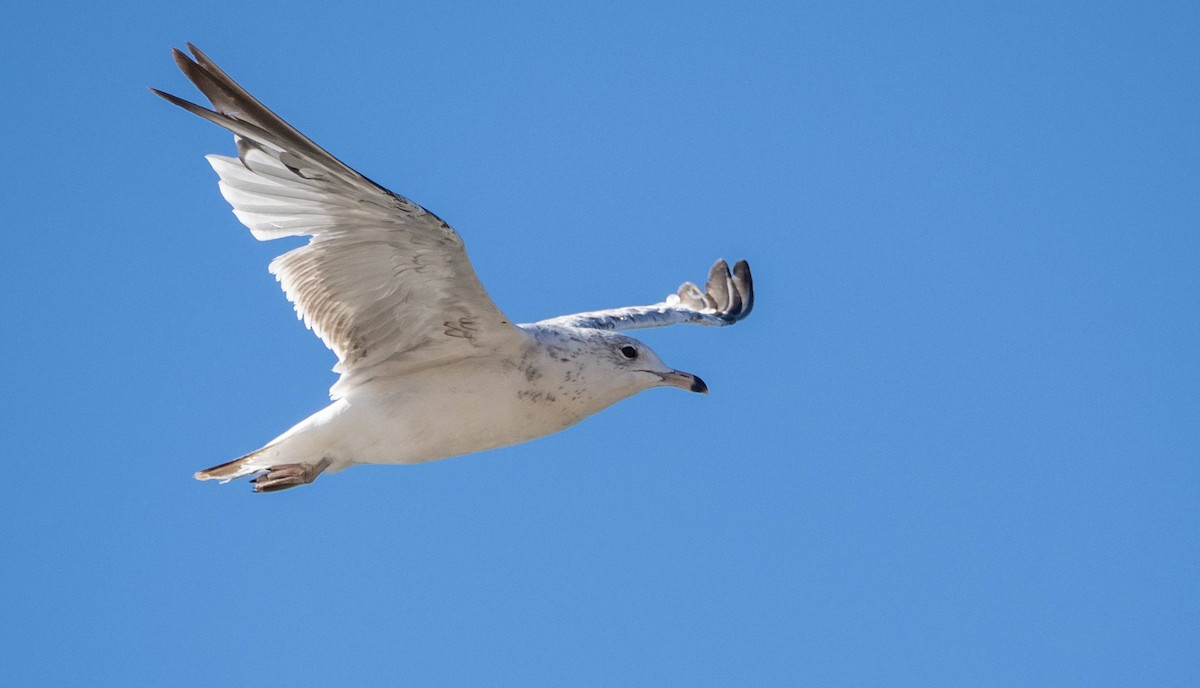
631 366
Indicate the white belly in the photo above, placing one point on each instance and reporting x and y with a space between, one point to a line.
442 412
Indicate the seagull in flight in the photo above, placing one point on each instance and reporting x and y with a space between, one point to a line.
429 367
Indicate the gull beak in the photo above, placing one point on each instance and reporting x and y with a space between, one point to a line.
682 380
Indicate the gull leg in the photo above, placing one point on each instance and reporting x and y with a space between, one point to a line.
287 475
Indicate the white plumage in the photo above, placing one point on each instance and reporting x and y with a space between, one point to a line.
429 366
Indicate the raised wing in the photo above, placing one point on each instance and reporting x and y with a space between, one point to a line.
727 298
383 282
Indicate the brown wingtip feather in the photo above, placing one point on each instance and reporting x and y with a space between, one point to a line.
182 60
173 99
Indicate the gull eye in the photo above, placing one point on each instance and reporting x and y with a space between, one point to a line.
629 352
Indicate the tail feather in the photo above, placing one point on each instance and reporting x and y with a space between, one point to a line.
232 470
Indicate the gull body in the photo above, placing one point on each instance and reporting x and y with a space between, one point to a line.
429 367
555 378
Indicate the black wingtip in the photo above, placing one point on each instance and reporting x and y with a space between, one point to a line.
166 96
176 100
728 294
182 59
743 282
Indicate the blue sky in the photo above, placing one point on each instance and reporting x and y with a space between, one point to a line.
956 444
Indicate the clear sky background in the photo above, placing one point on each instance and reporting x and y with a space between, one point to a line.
958 442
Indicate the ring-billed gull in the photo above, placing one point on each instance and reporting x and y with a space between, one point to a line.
429 366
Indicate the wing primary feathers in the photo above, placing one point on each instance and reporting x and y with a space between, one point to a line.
243 114
745 287
735 297
728 297
241 128
229 98
718 286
